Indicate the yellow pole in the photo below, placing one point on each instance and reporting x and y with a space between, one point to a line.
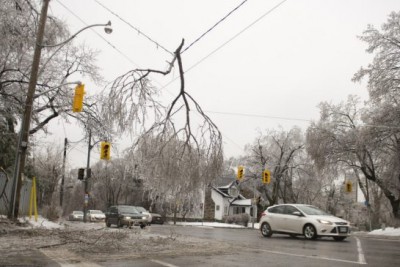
31 201
35 199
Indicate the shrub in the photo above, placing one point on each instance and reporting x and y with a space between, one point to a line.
241 219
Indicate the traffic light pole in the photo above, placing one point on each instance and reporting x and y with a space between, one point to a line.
86 181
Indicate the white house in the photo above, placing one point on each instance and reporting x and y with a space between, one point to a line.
229 201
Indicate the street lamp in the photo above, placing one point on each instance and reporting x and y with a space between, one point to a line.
24 132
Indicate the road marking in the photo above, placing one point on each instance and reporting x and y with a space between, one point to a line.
361 258
310 257
163 263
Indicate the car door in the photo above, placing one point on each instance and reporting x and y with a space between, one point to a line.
292 223
275 217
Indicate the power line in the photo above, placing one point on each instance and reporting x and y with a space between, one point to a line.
215 25
236 35
228 41
104 39
136 29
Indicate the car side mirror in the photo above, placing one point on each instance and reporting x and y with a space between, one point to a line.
297 213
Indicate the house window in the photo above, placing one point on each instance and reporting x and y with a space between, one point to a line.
239 210
217 207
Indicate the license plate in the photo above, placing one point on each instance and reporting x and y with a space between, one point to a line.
342 229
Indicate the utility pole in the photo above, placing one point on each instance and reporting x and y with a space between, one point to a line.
86 181
24 132
63 173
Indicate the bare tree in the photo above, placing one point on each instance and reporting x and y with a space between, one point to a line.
276 151
131 96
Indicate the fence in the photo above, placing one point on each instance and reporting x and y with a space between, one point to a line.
5 195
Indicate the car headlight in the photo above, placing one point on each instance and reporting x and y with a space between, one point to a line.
324 222
144 218
127 218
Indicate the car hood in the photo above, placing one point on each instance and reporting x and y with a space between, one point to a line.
131 214
330 218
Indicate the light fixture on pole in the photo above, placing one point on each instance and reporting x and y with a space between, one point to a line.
23 139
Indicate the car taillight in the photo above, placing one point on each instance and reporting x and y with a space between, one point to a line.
263 214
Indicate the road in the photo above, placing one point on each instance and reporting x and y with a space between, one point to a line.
254 250
246 248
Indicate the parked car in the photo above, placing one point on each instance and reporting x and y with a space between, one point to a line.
145 212
301 219
121 215
157 218
95 216
76 215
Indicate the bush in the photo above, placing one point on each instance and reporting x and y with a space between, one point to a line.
241 219
51 212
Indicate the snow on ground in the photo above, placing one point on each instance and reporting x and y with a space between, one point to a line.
388 231
41 222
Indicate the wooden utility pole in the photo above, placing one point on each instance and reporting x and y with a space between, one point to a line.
26 120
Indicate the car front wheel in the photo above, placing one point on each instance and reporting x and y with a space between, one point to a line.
266 229
310 232
108 224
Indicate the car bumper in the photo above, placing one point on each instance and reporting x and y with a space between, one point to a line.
133 221
333 230
96 219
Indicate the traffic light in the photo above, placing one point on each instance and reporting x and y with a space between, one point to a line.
81 173
349 186
240 172
266 179
77 105
105 150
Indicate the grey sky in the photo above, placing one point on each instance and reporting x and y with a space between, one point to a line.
278 70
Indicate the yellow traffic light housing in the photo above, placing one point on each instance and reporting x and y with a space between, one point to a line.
105 150
240 172
77 105
266 179
349 186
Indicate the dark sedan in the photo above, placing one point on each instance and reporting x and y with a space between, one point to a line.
125 215
157 219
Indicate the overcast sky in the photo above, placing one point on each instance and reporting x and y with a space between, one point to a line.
269 64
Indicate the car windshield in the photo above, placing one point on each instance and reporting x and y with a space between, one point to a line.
128 209
141 209
96 212
311 210
78 212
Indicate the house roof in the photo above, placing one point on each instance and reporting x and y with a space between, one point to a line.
224 191
241 202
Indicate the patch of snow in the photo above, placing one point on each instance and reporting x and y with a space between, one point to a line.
41 223
389 231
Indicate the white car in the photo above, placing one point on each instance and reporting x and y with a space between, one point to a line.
76 215
301 219
145 212
95 216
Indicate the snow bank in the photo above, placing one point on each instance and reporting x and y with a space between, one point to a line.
389 231
41 223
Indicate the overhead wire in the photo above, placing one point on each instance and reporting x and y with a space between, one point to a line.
135 28
213 27
104 39
228 41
